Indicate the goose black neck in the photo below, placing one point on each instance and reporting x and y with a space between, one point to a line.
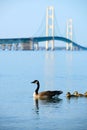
37 89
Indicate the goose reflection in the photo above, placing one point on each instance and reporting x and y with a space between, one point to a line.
48 102
36 104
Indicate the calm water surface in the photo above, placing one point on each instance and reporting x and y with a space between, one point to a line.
62 70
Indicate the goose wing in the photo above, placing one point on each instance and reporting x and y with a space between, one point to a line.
50 93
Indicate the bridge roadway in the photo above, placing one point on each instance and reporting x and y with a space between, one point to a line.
39 39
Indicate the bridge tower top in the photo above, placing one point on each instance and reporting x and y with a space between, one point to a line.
69 46
69 29
50 24
50 21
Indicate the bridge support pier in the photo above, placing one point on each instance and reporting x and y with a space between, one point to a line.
3 46
9 46
16 46
69 46
27 46
46 45
36 45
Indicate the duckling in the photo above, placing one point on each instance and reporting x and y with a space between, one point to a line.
85 94
69 95
78 94
44 94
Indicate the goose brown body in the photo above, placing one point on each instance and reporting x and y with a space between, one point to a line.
44 94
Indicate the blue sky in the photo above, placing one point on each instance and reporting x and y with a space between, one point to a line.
24 18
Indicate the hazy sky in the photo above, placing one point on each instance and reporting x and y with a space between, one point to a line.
24 18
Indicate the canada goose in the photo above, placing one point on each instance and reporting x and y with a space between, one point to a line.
44 94
78 94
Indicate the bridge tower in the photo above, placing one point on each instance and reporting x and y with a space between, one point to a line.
50 25
69 46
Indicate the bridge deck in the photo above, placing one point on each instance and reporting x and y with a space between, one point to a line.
39 39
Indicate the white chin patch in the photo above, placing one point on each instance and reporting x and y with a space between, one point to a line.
34 94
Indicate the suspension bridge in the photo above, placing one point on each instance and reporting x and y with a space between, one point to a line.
32 43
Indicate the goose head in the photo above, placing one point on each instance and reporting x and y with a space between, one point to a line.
38 86
35 82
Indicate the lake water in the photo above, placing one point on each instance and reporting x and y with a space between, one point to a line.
62 70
